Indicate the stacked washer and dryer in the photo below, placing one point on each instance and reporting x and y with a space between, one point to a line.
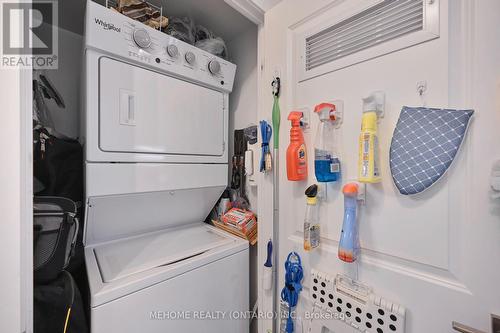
156 131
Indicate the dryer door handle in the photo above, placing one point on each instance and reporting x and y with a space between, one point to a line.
127 108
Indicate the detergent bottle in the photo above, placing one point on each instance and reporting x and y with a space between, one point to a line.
368 165
349 238
311 220
296 154
326 157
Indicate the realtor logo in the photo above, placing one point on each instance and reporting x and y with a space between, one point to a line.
29 34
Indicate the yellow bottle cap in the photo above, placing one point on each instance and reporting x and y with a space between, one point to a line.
312 200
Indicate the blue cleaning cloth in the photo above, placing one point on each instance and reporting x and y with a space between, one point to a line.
424 144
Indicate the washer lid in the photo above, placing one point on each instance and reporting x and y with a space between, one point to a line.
133 255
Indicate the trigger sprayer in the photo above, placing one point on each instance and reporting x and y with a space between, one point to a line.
349 238
326 157
296 155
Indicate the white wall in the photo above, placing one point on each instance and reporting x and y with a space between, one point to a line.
16 200
11 236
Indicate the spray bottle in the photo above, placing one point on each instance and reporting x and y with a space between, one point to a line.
296 155
368 165
349 238
311 220
326 157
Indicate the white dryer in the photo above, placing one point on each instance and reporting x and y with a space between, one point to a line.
155 133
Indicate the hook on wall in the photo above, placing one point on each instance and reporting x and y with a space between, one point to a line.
421 87
421 90
276 86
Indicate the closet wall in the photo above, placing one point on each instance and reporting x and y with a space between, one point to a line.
67 80
242 113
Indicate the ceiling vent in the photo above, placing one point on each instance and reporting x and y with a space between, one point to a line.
382 28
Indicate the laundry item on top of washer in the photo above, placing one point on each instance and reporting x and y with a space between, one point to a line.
216 46
424 145
182 28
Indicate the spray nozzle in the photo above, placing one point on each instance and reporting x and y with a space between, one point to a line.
326 111
295 117
375 103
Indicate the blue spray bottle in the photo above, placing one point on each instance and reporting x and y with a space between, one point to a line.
326 157
349 239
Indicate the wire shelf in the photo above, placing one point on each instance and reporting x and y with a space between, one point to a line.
114 4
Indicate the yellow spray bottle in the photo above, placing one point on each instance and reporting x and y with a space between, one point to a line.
368 164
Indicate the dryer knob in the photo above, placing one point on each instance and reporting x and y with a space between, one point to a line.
190 57
172 51
142 38
214 67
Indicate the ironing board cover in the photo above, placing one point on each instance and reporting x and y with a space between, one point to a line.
424 144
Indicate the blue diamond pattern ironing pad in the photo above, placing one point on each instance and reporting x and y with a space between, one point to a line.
424 145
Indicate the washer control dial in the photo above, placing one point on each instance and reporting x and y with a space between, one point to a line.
172 51
214 67
141 38
190 57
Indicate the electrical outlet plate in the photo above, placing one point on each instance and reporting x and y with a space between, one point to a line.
356 304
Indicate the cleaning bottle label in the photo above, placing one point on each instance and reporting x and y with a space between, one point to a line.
365 155
302 153
376 172
314 236
335 166
307 236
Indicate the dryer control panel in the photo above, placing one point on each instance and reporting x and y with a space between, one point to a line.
114 33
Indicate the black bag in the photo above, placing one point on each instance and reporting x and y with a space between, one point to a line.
58 165
58 308
54 236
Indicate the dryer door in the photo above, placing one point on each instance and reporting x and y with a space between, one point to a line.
142 111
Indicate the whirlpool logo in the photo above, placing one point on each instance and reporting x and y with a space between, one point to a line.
107 26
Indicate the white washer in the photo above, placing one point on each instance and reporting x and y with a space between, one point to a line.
155 133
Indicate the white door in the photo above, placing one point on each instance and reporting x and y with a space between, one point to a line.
142 111
438 254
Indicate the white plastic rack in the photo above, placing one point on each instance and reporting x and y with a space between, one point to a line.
356 304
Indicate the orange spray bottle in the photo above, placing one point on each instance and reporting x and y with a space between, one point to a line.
296 154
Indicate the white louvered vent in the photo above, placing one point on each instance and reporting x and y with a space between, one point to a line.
386 21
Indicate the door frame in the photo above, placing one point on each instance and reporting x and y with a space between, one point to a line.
16 233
